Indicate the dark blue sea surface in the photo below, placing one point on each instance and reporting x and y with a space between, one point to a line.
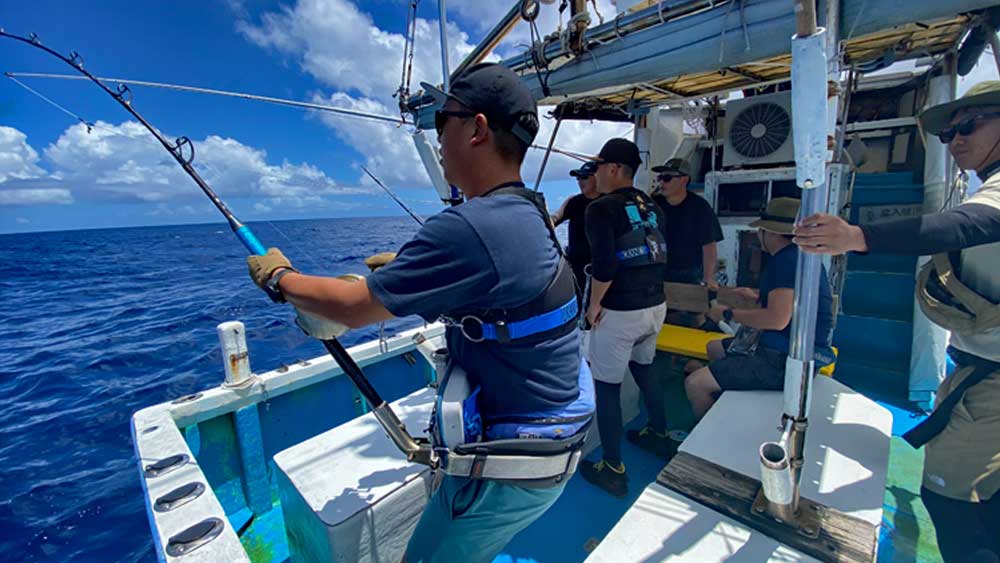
95 325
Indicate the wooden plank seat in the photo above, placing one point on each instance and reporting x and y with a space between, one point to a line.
692 343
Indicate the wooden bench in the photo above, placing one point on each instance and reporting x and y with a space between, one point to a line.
692 343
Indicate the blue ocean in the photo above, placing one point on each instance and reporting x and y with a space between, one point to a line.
98 324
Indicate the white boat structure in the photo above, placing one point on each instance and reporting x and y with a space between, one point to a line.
291 464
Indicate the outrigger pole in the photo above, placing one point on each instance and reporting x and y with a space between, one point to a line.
243 95
415 451
782 461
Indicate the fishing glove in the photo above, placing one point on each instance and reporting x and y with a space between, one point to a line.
378 260
319 327
263 267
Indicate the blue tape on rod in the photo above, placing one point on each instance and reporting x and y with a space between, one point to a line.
250 241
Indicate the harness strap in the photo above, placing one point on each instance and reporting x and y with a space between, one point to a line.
638 251
950 303
532 463
505 332
972 300
519 469
978 369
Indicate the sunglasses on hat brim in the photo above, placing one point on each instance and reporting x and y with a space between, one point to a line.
964 127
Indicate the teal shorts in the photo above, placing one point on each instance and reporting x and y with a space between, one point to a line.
470 521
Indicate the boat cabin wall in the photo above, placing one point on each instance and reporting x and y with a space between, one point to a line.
881 137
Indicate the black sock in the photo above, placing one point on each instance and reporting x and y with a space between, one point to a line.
609 419
652 395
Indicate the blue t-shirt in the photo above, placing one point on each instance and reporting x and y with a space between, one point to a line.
490 252
780 273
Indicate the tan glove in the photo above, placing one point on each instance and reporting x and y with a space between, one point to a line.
263 267
319 327
378 260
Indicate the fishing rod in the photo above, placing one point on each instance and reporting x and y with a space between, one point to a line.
393 196
416 450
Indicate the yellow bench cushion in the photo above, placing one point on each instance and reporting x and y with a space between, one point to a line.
692 343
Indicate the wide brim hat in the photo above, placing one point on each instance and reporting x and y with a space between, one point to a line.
937 118
779 218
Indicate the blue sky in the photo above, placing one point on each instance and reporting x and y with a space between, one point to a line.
268 162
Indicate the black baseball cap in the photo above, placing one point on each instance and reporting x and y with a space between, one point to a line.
498 93
620 151
585 171
674 167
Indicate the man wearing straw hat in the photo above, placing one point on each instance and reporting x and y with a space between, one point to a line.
761 365
959 290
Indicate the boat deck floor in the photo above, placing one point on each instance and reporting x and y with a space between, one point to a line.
584 514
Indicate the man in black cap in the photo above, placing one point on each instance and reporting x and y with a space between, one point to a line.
572 210
628 250
693 230
493 262
959 289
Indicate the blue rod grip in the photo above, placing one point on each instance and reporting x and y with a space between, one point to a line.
250 241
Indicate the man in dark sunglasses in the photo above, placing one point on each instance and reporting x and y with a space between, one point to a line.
959 289
693 230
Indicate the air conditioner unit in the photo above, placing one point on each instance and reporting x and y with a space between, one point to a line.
758 131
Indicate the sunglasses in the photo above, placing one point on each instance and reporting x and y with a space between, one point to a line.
666 177
441 117
964 127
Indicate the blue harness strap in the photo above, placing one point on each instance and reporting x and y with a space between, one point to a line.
638 251
534 325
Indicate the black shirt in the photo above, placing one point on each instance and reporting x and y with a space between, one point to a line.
691 224
779 273
631 288
578 251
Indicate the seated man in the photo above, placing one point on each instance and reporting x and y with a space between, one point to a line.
763 368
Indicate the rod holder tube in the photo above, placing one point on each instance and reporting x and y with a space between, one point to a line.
235 356
776 474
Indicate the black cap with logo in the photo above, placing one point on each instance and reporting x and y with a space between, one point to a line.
585 171
620 151
498 93
674 167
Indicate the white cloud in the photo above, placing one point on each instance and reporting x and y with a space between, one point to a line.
22 220
342 47
124 163
18 161
35 196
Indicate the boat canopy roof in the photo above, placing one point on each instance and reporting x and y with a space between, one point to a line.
677 50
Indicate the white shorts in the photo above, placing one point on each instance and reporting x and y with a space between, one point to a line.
622 337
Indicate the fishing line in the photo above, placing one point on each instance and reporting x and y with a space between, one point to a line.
88 124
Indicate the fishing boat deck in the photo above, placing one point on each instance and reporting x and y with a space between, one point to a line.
584 515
